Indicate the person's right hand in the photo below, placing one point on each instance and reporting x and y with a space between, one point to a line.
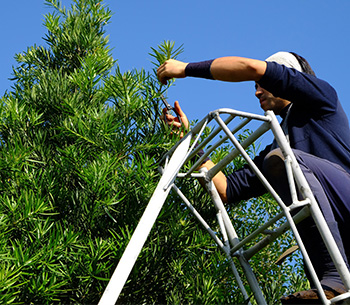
173 121
180 129
170 69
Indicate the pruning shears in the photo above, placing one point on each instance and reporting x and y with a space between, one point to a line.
170 108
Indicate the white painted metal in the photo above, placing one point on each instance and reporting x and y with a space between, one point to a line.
233 238
224 246
145 225
231 245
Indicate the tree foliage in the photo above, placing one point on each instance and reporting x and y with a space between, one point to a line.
80 145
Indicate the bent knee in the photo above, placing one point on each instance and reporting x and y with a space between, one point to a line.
273 165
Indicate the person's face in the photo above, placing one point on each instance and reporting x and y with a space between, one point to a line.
268 101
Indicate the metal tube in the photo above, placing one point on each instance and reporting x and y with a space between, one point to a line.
216 145
228 255
210 137
184 158
225 248
200 218
314 208
243 114
240 149
213 114
289 171
190 134
232 235
222 226
252 138
143 229
275 234
254 234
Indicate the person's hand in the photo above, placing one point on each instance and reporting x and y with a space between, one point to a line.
170 69
173 121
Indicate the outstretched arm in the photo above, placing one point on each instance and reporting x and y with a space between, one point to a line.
231 69
237 69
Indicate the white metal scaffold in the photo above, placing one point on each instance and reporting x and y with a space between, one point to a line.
230 243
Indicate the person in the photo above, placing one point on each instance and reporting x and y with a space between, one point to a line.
317 129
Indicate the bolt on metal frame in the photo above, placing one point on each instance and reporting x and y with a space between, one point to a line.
230 243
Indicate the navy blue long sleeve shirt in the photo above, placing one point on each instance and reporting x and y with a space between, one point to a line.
317 124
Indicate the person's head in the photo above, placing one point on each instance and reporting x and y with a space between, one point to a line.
291 60
268 101
305 66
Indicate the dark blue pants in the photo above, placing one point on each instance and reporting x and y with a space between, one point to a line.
330 185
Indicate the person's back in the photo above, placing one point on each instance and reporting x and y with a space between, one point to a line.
317 123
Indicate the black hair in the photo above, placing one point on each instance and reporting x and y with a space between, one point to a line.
305 66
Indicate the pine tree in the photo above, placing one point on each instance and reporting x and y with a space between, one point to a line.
80 146
79 154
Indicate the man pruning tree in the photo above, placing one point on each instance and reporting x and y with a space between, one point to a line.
318 132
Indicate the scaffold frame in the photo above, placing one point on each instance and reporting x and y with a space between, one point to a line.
172 168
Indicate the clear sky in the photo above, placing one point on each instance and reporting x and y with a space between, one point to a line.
316 29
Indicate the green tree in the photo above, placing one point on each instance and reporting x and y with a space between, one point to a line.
80 145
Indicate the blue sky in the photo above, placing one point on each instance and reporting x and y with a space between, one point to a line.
316 29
